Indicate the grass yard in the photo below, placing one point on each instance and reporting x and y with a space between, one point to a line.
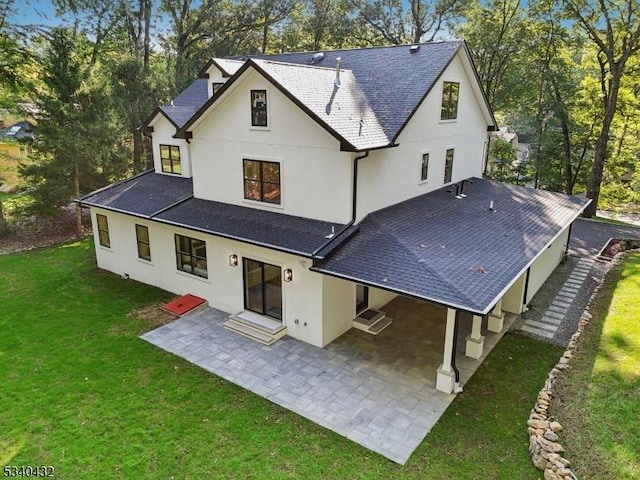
599 396
81 392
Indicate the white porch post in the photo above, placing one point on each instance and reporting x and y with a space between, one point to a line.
475 341
446 376
496 318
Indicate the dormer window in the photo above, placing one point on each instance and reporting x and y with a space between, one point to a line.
170 159
258 108
450 92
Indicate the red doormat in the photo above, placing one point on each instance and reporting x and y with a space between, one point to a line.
184 304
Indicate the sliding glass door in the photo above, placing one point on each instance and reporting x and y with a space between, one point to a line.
262 288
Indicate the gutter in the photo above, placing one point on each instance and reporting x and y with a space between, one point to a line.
354 198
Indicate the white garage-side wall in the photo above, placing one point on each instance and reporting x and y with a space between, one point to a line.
392 175
545 264
315 176
163 131
322 306
338 307
512 300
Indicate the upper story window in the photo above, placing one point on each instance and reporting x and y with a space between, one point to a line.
144 246
103 230
450 92
262 181
170 159
191 256
424 169
448 166
258 108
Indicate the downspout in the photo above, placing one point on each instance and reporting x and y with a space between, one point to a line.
455 348
566 247
526 290
486 155
354 203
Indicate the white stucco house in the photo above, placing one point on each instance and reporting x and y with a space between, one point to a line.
296 191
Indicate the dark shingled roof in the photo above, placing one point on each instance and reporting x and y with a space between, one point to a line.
169 199
142 195
274 230
394 81
384 86
187 103
455 251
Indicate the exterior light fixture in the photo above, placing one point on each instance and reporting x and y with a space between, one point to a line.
233 260
287 275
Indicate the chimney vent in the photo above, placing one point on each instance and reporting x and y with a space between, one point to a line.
336 82
414 48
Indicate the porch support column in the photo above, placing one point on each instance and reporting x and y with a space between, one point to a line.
496 318
475 341
447 378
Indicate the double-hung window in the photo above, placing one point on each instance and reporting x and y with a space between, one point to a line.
448 166
144 246
450 91
262 181
103 230
170 159
424 169
191 256
259 108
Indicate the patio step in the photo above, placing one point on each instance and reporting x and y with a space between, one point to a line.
256 327
372 321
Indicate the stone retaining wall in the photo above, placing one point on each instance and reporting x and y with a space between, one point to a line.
544 446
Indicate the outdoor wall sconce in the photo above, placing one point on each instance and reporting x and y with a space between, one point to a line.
233 260
287 275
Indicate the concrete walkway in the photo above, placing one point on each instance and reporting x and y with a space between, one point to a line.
378 391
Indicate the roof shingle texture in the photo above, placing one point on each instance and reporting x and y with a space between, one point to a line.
344 108
142 195
455 251
393 79
168 199
187 103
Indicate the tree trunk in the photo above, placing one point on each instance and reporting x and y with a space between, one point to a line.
600 156
3 222
76 192
147 33
138 165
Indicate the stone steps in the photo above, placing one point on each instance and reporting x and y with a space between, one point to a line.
548 325
256 327
372 321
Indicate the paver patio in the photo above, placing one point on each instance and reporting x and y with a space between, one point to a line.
378 391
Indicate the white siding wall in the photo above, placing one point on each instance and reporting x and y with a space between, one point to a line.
392 175
315 175
546 264
215 76
338 307
512 300
322 306
378 298
163 132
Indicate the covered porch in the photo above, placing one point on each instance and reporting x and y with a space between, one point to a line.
378 391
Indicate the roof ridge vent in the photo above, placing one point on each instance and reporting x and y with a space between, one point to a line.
316 58
414 48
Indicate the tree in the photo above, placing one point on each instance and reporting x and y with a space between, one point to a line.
613 26
78 146
391 23
495 32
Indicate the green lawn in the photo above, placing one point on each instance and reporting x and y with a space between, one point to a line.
81 392
599 398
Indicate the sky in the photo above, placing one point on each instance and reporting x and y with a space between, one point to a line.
33 12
